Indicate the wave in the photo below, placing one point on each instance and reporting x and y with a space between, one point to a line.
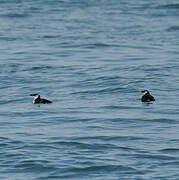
173 29
170 150
168 6
15 15
35 166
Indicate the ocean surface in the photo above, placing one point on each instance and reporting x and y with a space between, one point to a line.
91 58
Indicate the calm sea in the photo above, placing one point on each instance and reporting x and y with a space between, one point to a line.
91 58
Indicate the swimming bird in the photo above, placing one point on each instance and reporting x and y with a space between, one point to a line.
147 97
38 100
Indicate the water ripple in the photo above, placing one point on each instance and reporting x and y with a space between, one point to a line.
92 59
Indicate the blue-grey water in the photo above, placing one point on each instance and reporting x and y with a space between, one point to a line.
92 59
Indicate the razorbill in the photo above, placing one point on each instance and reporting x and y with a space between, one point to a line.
147 97
38 100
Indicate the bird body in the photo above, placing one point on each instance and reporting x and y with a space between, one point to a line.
147 97
38 100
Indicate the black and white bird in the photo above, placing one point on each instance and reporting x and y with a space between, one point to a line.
147 97
38 100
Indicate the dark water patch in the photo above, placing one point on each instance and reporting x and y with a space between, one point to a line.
34 9
100 83
168 6
19 114
52 4
99 91
4 139
3 145
16 142
14 155
66 119
51 36
7 38
124 138
81 5
168 112
15 15
10 68
157 157
35 166
173 29
11 144
10 141
40 68
119 107
3 177
96 128
54 177
99 45
174 140
149 68
77 144
10 1
164 120
73 144
103 81
49 146
11 101
159 15
3 2
111 168
129 121
34 161
170 164
170 150
104 78
114 138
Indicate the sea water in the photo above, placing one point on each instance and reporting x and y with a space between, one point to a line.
92 59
